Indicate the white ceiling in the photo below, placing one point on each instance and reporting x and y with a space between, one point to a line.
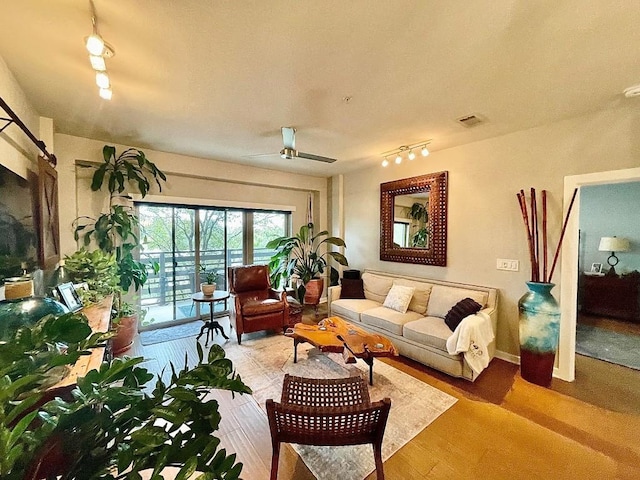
217 79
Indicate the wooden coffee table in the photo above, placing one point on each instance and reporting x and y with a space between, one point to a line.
335 335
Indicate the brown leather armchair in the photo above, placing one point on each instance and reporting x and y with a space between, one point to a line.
254 305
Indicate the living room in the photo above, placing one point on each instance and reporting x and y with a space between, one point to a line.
571 66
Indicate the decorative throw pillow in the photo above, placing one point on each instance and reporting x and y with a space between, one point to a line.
352 288
459 311
398 298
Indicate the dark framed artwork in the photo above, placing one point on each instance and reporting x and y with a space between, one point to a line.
69 296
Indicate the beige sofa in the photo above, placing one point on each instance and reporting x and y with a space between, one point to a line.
420 333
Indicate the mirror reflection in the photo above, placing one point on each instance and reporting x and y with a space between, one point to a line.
411 220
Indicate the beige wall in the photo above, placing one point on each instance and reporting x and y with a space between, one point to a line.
484 220
17 152
188 178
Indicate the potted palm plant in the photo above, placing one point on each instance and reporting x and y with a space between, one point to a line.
301 255
116 231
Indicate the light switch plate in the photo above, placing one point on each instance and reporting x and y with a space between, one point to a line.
508 265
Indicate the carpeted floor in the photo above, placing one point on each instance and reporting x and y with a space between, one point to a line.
159 335
263 361
614 347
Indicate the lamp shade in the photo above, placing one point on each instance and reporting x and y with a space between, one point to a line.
613 244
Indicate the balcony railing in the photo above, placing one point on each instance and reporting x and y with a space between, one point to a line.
176 280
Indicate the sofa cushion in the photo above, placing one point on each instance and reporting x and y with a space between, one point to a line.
387 319
443 298
460 310
376 287
352 288
430 331
421 294
350 309
398 298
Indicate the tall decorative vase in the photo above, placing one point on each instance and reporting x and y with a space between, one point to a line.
539 333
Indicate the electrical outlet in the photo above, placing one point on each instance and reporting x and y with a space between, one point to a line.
508 265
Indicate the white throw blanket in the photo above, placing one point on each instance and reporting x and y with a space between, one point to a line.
472 338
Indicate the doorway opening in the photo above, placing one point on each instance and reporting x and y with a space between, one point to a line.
603 384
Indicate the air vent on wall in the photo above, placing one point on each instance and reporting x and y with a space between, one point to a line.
469 121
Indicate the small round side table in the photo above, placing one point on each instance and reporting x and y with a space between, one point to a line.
211 325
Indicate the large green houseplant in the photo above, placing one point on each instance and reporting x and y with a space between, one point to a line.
98 269
302 255
113 424
420 214
116 231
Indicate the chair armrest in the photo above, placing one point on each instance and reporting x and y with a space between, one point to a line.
277 295
333 293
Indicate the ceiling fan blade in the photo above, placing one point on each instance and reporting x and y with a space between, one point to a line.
289 137
311 156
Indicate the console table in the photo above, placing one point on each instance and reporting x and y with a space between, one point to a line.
611 296
99 316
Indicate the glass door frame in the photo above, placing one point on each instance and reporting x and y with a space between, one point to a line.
247 250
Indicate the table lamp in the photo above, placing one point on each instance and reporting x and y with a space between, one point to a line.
613 245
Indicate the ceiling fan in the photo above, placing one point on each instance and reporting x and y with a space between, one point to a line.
289 151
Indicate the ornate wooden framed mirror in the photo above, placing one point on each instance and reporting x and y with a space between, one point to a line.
413 220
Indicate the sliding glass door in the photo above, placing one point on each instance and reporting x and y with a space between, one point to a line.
168 240
180 238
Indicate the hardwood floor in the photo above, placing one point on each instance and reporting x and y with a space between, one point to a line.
621 326
502 427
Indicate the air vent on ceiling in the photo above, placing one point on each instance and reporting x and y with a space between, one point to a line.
469 121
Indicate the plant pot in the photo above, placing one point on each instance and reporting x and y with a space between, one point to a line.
313 292
126 329
539 316
207 289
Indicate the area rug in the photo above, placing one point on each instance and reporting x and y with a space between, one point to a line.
159 335
613 347
262 363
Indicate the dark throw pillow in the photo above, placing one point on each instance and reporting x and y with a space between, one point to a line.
352 288
459 311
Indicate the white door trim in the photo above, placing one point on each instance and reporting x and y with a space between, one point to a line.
569 275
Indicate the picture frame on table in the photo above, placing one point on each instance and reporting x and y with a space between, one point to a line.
69 297
596 268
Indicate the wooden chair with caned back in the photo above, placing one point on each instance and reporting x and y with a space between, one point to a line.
327 412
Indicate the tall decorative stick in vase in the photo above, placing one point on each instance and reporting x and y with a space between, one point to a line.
539 312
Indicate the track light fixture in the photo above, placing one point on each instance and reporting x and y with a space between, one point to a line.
399 153
99 50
